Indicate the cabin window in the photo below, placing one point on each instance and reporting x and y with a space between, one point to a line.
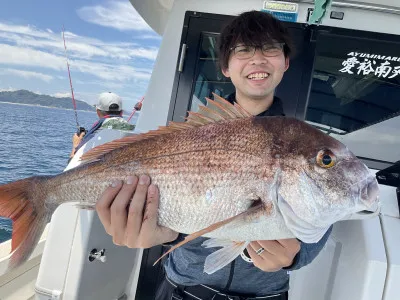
355 94
208 77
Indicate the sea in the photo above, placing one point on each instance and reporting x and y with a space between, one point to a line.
36 140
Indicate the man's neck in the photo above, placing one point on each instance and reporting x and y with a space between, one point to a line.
255 106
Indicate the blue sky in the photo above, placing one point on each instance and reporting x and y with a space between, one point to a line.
109 46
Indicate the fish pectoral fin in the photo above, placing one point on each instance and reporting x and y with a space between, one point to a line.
211 228
275 185
224 256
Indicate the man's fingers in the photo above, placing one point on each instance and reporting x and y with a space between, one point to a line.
257 259
166 235
119 210
150 220
290 243
135 213
265 261
151 212
272 247
149 225
103 205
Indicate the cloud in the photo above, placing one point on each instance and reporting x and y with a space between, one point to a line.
22 29
120 66
14 55
62 95
26 74
9 89
112 72
106 85
150 37
77 46
116 14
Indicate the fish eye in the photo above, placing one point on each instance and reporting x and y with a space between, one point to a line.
326 159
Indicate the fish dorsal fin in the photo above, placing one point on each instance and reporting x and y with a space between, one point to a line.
216 110
235 108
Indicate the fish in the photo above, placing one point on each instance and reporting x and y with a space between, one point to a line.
222 174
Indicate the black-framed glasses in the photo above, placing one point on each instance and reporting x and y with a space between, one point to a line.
248 51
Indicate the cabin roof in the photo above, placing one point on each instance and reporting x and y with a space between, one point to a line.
156 12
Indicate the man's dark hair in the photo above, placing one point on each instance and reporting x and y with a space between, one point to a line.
112 112
252 28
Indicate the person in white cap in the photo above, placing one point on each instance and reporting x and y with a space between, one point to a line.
109 110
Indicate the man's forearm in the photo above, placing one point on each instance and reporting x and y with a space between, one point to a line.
308 252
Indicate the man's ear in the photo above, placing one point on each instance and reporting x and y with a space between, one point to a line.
286 63
226 72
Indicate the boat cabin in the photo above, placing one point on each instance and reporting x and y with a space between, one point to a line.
344 79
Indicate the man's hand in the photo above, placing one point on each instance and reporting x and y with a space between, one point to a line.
129 213
273 255
76 139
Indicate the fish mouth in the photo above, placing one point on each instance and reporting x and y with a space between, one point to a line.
369 192
367 202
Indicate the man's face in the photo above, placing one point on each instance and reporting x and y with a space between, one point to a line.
258 76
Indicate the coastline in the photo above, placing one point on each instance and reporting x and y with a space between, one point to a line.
24 104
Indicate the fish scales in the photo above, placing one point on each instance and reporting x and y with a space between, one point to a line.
243 179
184 166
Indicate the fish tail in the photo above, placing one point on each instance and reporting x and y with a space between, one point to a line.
19 202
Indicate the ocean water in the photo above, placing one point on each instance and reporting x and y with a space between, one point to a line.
36 141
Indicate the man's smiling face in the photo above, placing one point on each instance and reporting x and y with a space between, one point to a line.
256 77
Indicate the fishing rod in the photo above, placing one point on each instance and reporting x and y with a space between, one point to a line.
79 128
137 107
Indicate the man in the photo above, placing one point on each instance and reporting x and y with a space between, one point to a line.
254 53
109 110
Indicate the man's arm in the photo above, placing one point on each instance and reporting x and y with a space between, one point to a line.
76 139
288 254
308 252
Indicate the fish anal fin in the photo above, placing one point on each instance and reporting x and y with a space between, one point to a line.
220 258
211 228
218 110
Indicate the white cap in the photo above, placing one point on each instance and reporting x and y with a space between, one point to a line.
107 99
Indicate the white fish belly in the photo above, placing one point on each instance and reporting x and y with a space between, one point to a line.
265 228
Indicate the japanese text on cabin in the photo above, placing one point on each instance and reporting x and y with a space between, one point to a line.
371 64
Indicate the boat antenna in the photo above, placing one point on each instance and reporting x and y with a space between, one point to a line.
138 106
80 129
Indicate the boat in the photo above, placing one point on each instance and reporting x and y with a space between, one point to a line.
344 80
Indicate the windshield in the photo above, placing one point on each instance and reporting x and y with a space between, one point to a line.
355 94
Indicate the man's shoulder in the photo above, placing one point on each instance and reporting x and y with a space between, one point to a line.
117 123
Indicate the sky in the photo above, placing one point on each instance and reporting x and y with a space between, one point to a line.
109 48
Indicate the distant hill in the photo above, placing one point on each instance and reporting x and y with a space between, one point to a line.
27 97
